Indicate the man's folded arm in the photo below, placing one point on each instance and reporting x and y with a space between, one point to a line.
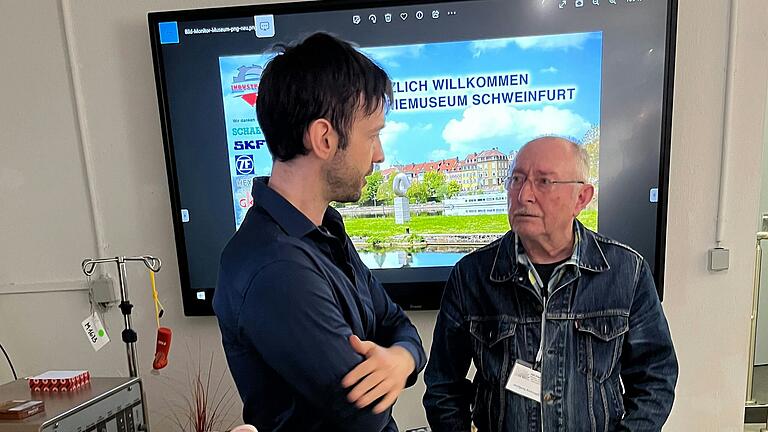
395 328
290 316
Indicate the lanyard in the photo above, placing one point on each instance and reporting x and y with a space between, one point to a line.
533 277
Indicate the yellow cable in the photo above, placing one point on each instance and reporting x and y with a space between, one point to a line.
154 297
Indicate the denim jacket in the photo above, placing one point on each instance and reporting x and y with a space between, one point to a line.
608 363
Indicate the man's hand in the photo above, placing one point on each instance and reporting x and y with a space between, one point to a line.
382 373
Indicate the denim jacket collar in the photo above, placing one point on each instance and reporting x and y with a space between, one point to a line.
590 255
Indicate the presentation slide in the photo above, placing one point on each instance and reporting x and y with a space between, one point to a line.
460 113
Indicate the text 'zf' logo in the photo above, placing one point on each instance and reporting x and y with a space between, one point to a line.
244 164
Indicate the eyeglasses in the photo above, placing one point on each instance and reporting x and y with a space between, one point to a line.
515 182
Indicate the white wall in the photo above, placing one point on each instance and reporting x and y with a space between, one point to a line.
709 313
46 225
45 221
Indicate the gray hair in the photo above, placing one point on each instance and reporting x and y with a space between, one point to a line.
582 157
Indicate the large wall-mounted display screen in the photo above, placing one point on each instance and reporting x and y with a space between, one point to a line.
473 81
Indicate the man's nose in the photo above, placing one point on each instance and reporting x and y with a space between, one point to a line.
526 193
378 153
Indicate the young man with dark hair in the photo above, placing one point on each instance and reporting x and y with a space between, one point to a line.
312 339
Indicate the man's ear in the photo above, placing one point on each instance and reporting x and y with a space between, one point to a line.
321 139
586 192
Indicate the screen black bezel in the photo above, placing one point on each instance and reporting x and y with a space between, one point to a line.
416 288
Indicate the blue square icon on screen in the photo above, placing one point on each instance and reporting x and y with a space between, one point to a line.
169 32
265 26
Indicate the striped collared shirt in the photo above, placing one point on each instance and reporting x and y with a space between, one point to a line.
533 276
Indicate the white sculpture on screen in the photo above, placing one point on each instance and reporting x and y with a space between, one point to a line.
400 186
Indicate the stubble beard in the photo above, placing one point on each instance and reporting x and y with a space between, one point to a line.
343 183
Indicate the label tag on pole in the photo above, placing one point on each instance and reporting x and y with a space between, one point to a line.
95 331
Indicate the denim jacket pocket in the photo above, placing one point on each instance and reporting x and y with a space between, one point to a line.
599 342
490 351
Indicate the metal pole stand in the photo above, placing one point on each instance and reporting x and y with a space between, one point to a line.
129 335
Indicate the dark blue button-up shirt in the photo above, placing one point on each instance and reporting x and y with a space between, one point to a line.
288 297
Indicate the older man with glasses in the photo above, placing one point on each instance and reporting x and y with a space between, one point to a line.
563 325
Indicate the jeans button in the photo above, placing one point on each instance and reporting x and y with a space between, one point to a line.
549 397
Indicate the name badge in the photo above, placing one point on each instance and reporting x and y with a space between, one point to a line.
525 381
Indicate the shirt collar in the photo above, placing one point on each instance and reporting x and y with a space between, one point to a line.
533 274
587 254
522 256
290 219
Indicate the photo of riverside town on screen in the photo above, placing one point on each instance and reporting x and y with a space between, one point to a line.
449 139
